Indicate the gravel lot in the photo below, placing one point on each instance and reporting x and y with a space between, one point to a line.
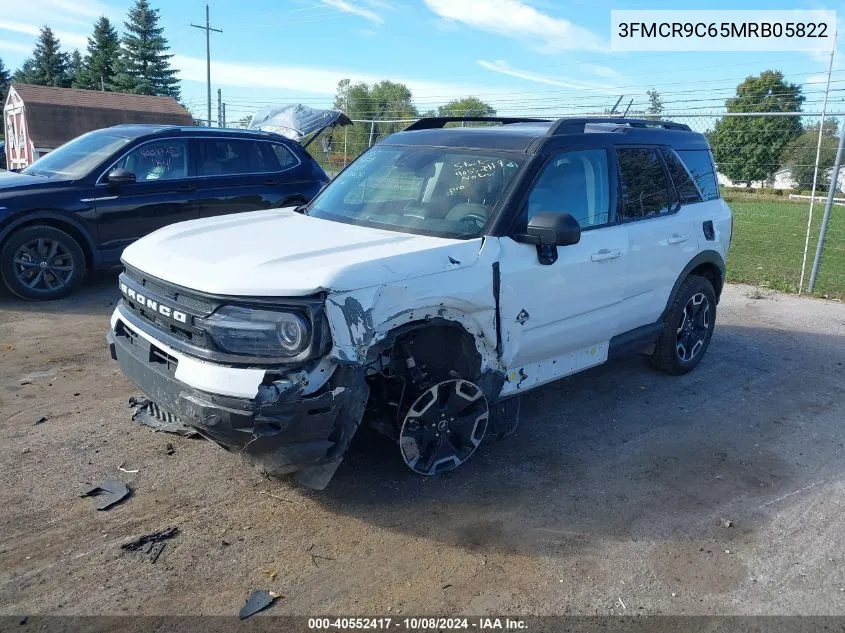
617 490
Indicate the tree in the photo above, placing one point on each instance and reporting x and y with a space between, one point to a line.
800 156
749 148
77 67
102 56
49 65
144 65
467 106
5 79
655 103
383 101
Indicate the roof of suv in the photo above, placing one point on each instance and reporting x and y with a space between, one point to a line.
135 130
522 135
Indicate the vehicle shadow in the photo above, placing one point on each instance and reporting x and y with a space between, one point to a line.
98 294
626 452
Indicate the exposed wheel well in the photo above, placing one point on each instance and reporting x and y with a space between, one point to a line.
411 356
712 273
67 227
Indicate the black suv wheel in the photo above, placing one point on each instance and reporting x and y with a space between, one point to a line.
41 262
688 328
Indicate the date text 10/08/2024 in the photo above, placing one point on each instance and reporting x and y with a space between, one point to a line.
417 624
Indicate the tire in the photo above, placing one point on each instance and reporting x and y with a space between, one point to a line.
688 328
41 263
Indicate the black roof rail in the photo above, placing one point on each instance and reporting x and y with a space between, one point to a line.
435 122
576 125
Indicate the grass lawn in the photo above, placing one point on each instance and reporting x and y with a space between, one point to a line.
768 245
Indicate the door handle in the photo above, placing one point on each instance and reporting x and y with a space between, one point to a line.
605 253
678 238
186 188
271 182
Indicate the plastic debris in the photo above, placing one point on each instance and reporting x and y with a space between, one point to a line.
151 544
257 601
108 493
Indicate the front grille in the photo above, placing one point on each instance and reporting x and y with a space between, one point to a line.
176 295
194 306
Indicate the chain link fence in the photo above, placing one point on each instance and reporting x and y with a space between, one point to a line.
768 165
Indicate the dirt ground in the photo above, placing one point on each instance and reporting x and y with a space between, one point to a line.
613 498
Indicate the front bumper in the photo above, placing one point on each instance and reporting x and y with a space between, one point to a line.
279 429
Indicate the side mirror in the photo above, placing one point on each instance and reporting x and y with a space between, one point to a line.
548 228
120 176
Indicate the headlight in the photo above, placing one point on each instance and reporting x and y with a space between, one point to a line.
258 332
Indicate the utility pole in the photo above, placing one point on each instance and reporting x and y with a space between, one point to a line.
219 106
207 28
224 115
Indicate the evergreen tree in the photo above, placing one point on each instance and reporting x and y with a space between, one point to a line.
102 57
48 66
77 67
5 79
655 103
144 66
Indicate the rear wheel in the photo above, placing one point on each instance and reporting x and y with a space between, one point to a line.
688 327
41 262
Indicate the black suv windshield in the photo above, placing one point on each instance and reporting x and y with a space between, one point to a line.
426 190
78 157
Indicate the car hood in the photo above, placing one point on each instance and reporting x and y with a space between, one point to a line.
12 181
282 253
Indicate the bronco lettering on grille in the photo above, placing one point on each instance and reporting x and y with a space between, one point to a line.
152 304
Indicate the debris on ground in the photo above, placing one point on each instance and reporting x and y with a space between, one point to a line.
124 470
270 573
143 413
264 492
109 493
151 544
168 448
257 601
726 523
39 419
316 557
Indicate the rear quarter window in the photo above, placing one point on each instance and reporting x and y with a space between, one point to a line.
699 163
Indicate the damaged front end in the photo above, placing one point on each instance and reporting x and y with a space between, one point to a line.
283 417
281 430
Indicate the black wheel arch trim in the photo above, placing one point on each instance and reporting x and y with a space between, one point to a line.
704 257
29 218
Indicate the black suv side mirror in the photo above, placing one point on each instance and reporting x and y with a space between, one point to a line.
120 176
548 228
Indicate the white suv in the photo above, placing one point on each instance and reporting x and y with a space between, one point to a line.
443 273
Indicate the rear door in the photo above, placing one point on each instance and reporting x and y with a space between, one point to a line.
240 174
661 238
163 193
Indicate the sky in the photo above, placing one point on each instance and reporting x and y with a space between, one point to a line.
527 57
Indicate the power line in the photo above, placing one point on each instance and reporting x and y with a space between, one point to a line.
207 28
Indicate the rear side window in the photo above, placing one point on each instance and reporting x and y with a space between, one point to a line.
284 156
644 187
700 165
230 157
684 184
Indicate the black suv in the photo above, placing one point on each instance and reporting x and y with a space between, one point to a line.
79 206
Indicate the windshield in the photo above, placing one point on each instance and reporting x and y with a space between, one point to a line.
432 191
78 157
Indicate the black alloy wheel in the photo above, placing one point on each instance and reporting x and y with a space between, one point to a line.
444 426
